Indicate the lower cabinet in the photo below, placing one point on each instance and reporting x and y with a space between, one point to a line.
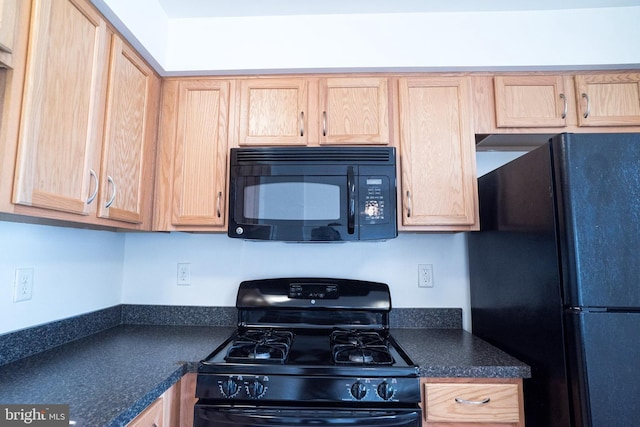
174 408
468 402
153 416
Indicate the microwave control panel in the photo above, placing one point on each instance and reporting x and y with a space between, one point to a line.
374 199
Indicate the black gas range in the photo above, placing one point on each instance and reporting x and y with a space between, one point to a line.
307 352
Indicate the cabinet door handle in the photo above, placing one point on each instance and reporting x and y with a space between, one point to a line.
588 109
472 402
566 106
301 123
324 123
94 178
408 204
219 204
113 194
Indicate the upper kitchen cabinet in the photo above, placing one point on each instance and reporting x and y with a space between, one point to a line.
86 120
192 155
274 112
63 107
313 111
8 21
128 147
354 110
438 190
608 99
530 101
521 111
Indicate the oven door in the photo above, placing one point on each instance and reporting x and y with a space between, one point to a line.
260 416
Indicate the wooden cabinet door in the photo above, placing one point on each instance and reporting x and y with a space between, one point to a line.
61 123
608 99
273 112
438 179
530 101
8 17
354 110
128 146
201 154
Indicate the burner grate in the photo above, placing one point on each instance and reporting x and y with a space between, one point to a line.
359 348
263 346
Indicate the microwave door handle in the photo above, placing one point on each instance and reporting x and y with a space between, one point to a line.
351 198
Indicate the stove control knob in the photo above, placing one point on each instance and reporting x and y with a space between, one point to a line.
229 387
385 390
256 389
358 390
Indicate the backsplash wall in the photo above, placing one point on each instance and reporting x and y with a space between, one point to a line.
74 271
219 264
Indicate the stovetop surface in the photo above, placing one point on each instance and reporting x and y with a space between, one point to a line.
311 351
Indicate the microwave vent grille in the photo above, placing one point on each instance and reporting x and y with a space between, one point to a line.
314 154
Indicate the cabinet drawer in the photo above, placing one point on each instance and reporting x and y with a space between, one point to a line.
488 403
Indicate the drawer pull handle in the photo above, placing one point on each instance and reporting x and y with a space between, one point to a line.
472 402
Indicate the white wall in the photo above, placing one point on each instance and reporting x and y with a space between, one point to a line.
580 37
219 264
75 271
574 38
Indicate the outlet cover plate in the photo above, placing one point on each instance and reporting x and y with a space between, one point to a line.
23 284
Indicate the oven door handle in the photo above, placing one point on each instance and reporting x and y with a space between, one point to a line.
206 416
351 200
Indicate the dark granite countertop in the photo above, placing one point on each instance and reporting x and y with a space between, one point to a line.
111 376
444 353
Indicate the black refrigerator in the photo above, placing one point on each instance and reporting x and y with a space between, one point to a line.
555 276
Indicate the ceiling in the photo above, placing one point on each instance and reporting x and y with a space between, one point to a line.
176 9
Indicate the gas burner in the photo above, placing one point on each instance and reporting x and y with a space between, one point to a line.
362 357
256 345
356 347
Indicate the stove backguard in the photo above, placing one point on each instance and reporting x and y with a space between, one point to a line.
313 303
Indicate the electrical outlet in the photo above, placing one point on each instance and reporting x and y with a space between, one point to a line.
425 275
23 284
184 274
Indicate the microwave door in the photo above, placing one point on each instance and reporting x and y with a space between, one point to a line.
288 206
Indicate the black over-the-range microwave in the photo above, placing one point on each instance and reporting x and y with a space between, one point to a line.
312 194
